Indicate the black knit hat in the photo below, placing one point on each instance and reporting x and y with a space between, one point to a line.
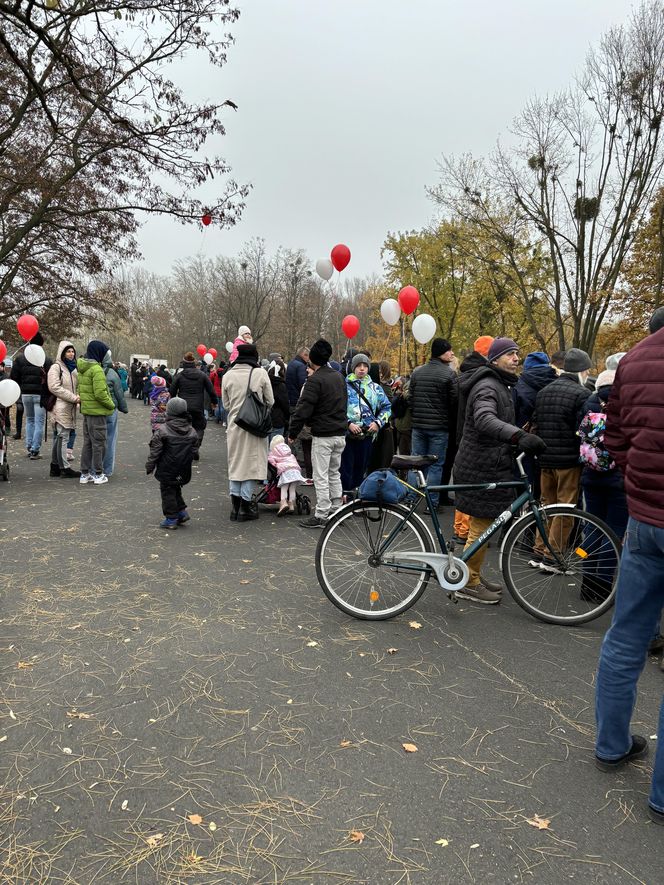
439 346
320 352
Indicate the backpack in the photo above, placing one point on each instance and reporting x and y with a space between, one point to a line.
384 487
400 406
593 452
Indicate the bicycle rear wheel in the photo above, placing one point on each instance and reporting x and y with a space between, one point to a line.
355 576
579 590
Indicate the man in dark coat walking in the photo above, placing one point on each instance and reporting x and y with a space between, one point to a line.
191 384
559 409
485 455
635 439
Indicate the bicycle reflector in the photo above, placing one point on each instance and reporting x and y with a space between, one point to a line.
581 552
374 596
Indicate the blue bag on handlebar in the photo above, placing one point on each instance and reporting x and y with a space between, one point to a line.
384 487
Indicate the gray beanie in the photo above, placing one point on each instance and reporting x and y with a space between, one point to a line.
357 359
576 360
176 406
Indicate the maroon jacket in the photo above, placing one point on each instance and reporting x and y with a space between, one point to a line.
635 428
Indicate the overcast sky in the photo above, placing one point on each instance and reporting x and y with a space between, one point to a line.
345 108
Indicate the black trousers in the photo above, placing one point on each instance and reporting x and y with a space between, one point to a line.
198 423
172 501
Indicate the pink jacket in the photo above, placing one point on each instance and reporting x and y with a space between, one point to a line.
282 458
238 340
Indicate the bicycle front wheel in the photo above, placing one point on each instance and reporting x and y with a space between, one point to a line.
582 585
358 576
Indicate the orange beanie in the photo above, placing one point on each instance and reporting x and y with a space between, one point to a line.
483 344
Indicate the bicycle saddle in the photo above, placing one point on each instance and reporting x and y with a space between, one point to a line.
412 462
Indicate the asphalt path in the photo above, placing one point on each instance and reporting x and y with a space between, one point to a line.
187 707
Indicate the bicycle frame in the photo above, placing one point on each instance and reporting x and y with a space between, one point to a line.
526 497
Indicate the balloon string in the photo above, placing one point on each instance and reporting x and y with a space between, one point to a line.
387 341
20 348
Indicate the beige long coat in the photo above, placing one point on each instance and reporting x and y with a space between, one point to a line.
247 454
63 384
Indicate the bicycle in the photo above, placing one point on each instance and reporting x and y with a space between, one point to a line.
374 560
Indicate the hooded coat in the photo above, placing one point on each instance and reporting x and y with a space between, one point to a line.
172 448
114 385
485 452
530 382
247 454
63 382
472 362
92 388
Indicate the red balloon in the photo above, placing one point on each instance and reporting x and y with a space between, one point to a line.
201 350
27 326
3 350
213 351
206 219
350 326
340 256
408 299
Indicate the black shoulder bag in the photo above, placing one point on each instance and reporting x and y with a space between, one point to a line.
254 416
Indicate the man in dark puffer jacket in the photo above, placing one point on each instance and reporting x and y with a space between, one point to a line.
433 403
485 455
191 384
32 381
537 374
559 408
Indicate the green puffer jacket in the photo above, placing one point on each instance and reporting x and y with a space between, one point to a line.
92 389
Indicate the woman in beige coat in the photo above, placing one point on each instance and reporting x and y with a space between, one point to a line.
62 380
247 454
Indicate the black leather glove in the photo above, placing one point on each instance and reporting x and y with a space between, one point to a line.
149 468
531 444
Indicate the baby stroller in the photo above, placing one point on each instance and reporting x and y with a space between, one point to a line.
270 494
4 465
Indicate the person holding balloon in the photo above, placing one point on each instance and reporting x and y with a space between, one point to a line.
29 371
368 410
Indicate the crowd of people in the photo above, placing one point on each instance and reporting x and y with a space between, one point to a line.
595 442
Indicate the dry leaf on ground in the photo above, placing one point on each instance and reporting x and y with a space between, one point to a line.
392 651
357 836
312 644
74 714
195 819
443 842
542 823
415 625
23 665
409 748
345 743
153 841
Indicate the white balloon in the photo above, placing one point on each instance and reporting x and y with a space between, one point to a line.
324 268
9 392
424 328
34 354
390 311
229 347
208 358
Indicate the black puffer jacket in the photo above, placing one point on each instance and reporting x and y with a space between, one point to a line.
559 408
172 450
281 407
192 385
322 405
530 382
433 396
485 453
31 379
472 363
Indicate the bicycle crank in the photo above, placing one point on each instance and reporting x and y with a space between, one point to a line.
452 573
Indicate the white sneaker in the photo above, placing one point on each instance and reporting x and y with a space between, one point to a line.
85 477
100 480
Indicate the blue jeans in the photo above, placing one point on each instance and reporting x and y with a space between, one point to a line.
72 438
242 488
220 412
34 421
639 602
609 503
111 439
431 442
